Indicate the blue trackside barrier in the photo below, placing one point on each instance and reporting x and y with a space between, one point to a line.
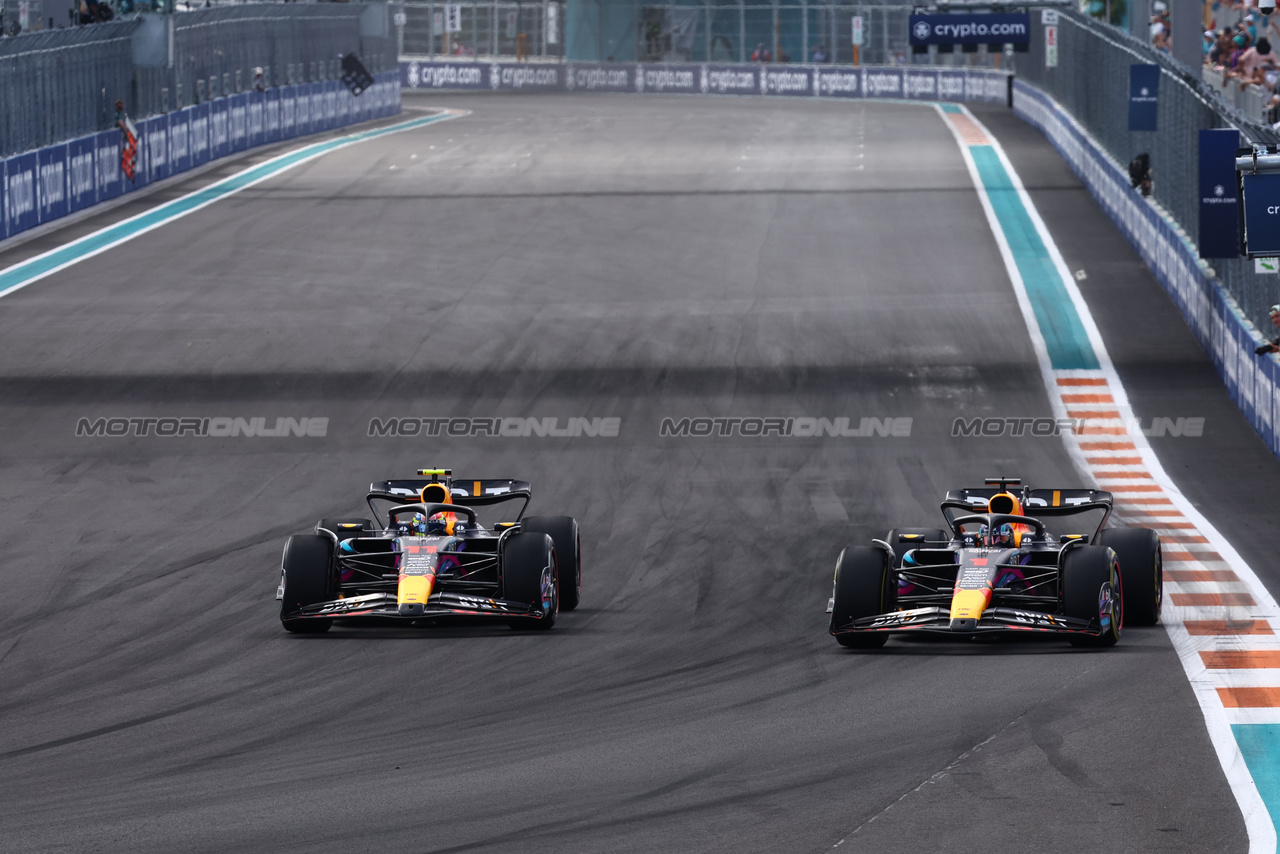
826 81
41 186
1215 319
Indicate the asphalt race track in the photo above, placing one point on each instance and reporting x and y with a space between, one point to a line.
570 256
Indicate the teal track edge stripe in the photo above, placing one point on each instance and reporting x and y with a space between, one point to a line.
1260 747
1064 335
22 273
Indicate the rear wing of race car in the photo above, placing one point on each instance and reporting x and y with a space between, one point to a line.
1037 503
468 493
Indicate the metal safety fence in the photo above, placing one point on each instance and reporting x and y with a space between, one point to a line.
719 32
484 30
1091 82
59 84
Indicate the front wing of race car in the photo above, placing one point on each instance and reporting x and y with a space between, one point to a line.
440 605
937 619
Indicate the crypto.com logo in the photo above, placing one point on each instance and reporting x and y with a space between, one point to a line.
921 30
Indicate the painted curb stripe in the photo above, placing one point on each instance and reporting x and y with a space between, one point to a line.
1215 606
33 269
1063 334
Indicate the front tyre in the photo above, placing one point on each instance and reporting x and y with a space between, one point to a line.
1141 571
307 578
863 588
529 575
563 531
1092 590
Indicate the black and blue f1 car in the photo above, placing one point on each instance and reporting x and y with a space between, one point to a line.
432 560
998 568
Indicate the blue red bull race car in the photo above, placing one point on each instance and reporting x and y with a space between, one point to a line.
997 567
426 558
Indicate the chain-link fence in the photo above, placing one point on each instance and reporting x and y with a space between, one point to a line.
640 32
490 30
217 51
1091 81
60 84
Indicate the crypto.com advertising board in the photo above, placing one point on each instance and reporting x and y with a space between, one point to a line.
827 81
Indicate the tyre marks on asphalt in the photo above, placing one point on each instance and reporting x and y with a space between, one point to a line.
1220 618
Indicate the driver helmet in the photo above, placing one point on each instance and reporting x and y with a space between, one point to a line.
1000 536
444 522
414 526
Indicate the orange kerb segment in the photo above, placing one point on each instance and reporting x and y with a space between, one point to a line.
1194 600
1228 627
1087 398
1203 556
1250 698
1240 659
1200 575
969 131
1114 461
1082 380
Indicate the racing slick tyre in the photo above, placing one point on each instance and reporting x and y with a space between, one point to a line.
563 531
345 528
932 535
1141 572
307 579
864 587
529 575
1092 590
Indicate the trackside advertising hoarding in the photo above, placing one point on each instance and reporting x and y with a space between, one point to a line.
972 28
926 84
41 186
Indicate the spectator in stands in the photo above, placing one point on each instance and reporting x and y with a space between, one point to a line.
1240 43
1273 344
761 54
820 53
1253 64
1222 49
1249 24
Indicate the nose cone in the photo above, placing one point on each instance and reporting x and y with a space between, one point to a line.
413 593
967 607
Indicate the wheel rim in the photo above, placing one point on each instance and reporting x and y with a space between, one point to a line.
548 585
1117 601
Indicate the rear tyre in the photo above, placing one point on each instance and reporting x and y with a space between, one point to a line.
563 531
931 535
529 575
1092 590
863 588
1141 572
308 578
